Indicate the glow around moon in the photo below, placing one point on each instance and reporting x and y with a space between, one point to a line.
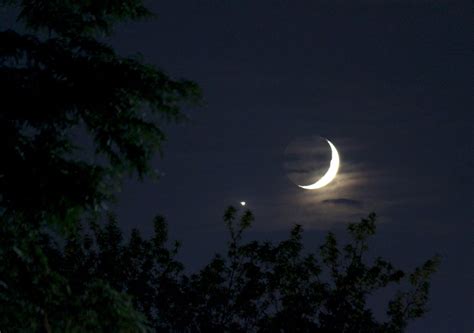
330 174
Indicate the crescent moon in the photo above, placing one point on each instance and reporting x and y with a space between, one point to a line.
330 174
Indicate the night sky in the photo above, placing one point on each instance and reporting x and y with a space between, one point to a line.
388 82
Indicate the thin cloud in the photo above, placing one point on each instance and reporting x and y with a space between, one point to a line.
343 202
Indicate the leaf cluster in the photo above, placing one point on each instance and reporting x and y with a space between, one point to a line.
38 294
265 287
76 116
98 279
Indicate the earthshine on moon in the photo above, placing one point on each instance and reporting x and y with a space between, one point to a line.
330 174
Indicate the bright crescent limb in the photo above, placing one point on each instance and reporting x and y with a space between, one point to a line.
330 174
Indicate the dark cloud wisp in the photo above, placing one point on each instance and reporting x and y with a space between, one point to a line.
344 202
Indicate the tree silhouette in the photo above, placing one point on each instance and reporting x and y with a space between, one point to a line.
254 287
63 78
58 79
264 287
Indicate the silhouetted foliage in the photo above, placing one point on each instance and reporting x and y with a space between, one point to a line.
254 287
268 287
63 78
60 80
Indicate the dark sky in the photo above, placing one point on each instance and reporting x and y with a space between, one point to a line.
388 82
